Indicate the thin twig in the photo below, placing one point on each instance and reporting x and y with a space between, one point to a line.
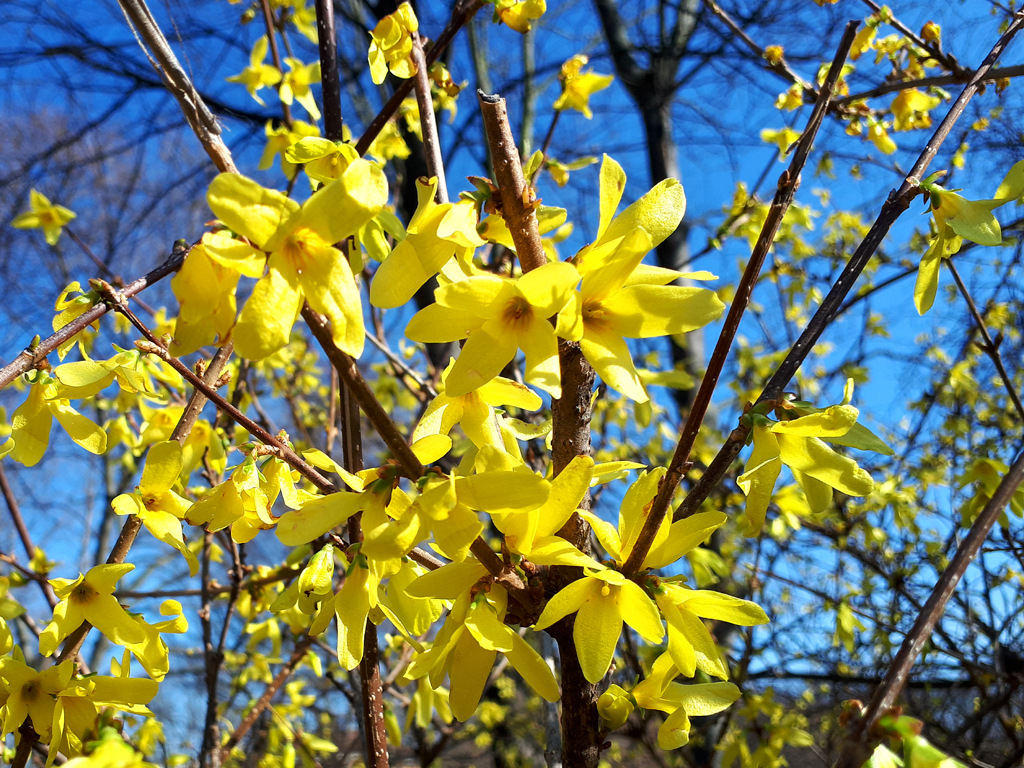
33 355
862 738
786 190
428 121
26 540
894 206
463 12
990 347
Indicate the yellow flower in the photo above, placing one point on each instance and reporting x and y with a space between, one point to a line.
257 75
31 422
391 44
44 215
879 136
474 410
159 508
499 316
279 140
303 260
472 636
205 290
797 442
295 85
518 14
619 299
910 109
90 598
389 144
783 139
436 234
602 601
31 694
680 701
579 86
321 159
70 309
956 218
690 644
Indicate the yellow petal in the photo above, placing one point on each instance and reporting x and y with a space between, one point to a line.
548 287
812 457
834 421
608 353
352 607
487 351
81 429
266 321
640 612
163 465
330 288
540 347
612 184
317 517
683 536
503 492
759 475
597 629
436 324
567 492
644 311
531 665
232 254
342 207
928 278
247 208
30 428
470 667
564 602
448 582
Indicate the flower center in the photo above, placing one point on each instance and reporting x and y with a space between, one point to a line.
301 247
517 312
30 691
84 593
594 314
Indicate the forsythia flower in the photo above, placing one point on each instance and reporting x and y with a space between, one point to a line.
278 142
783 138
159 508
321 159
474 411
957 218
295 85
602 601
90 598
391 44
797 442
579 86
303 260
619 298
499 315
910 109
518 14
436 234
473 634
257 75
31 422
679 701
205 290
44 215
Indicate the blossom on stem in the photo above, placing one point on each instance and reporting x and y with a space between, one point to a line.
44 215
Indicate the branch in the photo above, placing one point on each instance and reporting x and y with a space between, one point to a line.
35 354
19 524
924 82
787 186
200 119
428 121
464 11
894 206
990 347
860 742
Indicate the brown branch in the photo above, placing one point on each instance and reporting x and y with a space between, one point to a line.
330 83
200 119
428 120
463 12
863 737
33 355
925 82
786 190
301 647
26 540
581 747
780 68
934 50
519 216
897 202
990 347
